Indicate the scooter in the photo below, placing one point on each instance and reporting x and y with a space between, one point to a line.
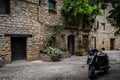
97 61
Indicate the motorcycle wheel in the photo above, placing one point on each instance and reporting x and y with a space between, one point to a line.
91 73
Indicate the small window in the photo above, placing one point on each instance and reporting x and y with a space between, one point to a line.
4 6
103 25
52 6
97 24
102 42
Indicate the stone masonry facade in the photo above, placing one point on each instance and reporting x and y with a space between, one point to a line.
31 19
27 17
104 33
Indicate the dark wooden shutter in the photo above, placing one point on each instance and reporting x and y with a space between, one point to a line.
51 5
2 6
7 6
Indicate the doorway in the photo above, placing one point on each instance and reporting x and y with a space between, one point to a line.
18 48
85 42
112 44
71 44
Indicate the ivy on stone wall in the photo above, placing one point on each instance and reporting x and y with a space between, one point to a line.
51 40
74 11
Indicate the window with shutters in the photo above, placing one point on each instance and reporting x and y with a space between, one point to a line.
52 6
4 6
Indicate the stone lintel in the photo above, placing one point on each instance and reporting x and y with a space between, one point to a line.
18 35
1 35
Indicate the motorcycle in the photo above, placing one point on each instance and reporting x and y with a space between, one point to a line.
97 61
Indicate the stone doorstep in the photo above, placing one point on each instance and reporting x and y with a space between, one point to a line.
19 61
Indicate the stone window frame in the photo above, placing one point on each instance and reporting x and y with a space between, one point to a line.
7 7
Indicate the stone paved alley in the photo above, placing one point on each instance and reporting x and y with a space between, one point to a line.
73 68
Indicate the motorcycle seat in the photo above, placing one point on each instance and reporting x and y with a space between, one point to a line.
102 55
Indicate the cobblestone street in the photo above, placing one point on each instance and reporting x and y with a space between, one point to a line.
73 68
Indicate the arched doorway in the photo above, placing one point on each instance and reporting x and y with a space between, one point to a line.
85 42
71 44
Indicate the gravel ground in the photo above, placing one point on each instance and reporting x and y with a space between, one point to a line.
73 68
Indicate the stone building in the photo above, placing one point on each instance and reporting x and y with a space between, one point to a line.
26 26
103 33
19 29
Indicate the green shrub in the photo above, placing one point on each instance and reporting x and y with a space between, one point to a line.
55 53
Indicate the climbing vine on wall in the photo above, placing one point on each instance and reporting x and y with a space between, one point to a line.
74 11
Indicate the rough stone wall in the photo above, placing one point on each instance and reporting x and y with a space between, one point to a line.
117 43
21 20
48 20
28 17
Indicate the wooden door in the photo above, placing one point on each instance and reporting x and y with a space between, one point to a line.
71 43
112 44
18 48
85 42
